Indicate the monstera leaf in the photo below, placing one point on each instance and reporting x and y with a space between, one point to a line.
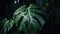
6 24
29 19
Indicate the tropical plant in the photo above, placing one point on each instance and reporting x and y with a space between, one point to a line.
28 18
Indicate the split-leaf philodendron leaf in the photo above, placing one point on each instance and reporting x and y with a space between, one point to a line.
29 18
7 24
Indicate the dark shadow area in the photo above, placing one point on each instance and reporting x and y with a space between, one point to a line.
52 25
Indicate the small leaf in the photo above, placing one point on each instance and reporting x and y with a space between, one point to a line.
7 24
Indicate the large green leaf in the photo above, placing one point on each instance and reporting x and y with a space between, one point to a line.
30 19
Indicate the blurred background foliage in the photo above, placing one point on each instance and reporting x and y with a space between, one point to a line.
23 16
